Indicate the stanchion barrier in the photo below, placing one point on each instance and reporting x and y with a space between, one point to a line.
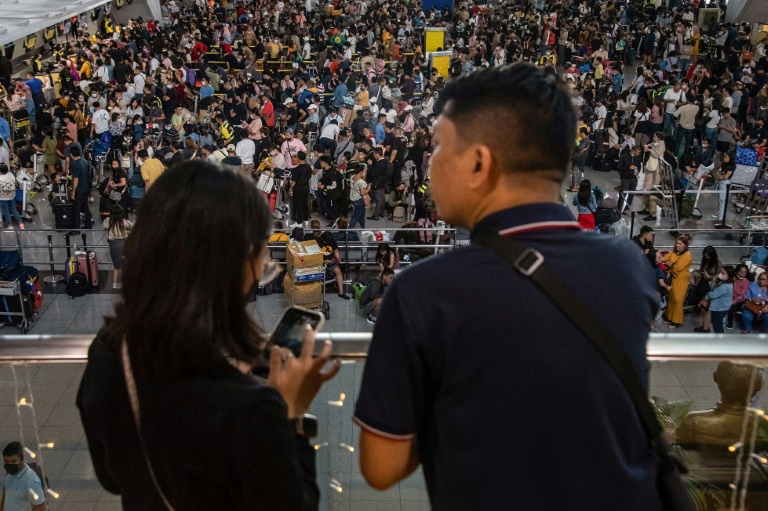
53 278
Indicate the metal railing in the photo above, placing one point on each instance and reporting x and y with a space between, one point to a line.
354 345
31 248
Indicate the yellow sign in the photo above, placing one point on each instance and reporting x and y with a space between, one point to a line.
434 39
441 60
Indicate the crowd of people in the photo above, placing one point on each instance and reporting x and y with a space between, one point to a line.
333 109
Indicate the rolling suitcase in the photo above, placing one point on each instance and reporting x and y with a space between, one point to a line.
64 214
88 264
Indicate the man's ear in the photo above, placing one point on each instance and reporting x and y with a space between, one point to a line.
484 168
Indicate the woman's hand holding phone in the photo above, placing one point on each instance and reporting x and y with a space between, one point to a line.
299 379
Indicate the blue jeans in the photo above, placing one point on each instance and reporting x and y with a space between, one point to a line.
711 135
669 124
683 141
718 317
8 208
747 317
723 187
358 214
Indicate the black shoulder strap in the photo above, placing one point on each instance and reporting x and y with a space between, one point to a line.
530 263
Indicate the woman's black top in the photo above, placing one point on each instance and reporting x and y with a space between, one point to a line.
214 443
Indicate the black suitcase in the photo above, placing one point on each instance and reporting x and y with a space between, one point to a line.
64 213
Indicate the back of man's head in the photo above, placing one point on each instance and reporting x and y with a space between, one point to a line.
143 154
522 114
75 152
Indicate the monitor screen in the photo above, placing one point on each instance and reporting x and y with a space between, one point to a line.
30 42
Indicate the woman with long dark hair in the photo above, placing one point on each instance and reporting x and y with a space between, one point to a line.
586 205
678 272
172 414
118 228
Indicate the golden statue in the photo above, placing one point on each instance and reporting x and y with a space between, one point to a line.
722 426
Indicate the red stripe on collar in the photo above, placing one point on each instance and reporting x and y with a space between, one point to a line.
539 226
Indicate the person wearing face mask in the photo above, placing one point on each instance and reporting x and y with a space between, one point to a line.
720 299
22 489
193 374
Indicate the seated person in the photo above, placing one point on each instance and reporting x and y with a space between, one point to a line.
398 197
331 256
370 300
386 257
278 235
343 236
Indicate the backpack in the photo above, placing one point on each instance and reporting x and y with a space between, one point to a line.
358 287
427 204
78 285
298 234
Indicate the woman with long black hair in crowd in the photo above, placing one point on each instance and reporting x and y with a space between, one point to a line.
586 205
177 357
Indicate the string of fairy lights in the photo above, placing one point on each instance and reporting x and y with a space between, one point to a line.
21 403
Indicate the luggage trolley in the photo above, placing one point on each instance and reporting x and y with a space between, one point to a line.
9 291
306 275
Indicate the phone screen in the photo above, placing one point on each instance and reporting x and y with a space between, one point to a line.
291 329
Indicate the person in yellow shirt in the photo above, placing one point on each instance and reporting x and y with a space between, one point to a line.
151 168
85 70
227 133
599 69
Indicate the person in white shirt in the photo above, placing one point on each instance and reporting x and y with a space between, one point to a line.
139 80
599 124
278 160
102 72
672 98
100 120
245 150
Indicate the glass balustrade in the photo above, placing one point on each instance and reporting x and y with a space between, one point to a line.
709 393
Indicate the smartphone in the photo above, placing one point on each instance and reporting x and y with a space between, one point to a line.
292 327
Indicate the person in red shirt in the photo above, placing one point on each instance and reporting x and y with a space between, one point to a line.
226 47
198 49
267 110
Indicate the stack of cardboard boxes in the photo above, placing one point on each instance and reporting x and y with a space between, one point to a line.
303 282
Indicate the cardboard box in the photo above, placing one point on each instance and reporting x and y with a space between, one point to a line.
303 254
308 294
308 274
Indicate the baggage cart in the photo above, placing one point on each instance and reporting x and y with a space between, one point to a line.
10 295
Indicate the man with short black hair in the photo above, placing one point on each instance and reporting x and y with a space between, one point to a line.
645 241
300 175
81 188
474 371
23 490
377 175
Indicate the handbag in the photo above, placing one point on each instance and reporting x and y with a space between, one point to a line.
531 264
652 165
755 308
133 396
